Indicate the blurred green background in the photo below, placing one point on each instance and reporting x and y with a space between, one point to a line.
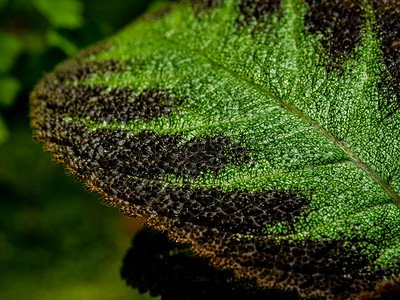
56 240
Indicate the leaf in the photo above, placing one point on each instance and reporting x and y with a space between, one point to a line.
263 133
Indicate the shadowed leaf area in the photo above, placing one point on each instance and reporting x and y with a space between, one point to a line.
264 134
168 269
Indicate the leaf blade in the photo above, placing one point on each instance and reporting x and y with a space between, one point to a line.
294 141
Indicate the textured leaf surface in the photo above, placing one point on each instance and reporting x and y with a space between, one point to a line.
264 133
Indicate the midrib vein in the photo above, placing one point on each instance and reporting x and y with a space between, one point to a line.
353 157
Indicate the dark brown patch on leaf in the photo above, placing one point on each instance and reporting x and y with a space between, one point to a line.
388 290
335 269
99 103
169 269
205 4
75 70
159 13
80 68
149 156
340 22
388 23
257 10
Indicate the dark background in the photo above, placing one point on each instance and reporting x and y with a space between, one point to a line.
57 241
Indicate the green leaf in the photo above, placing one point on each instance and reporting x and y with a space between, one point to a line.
61 13
263 133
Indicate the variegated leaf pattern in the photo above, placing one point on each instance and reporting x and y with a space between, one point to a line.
263 133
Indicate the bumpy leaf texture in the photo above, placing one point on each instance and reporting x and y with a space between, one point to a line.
263 133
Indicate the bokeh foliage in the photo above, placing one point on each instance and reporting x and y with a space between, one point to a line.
56 242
